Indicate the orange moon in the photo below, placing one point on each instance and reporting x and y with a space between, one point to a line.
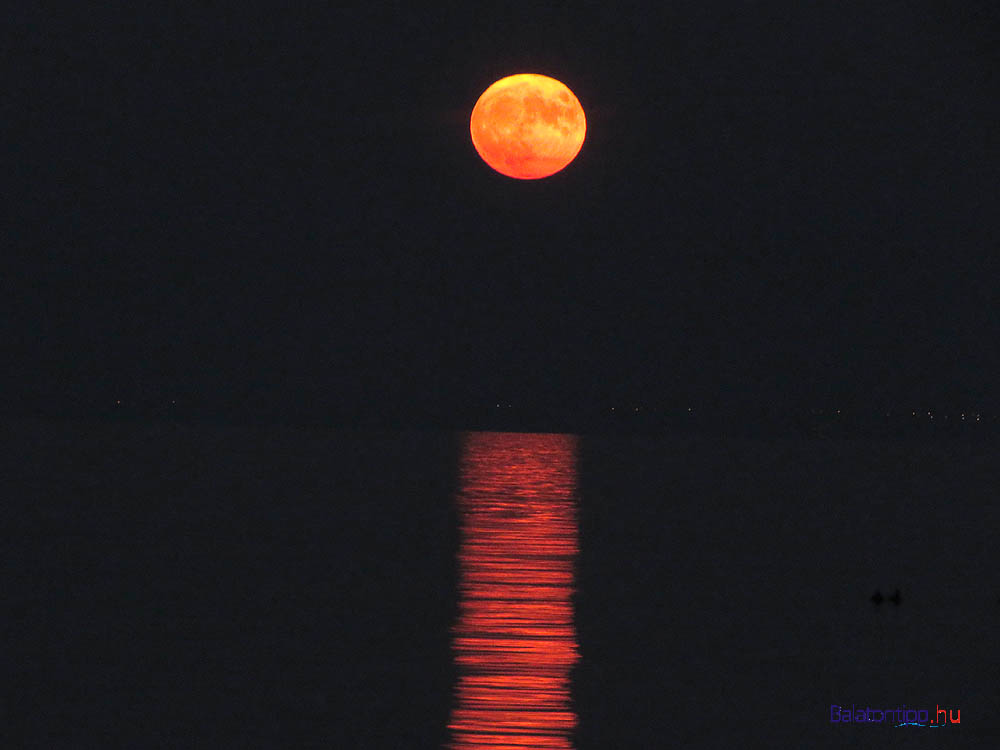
528 126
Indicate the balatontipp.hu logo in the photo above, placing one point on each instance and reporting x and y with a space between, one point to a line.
900 717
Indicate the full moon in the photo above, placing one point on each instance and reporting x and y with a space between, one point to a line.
528 126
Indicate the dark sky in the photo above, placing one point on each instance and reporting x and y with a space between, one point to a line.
784 202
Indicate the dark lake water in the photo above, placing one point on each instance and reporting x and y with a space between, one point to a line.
190 586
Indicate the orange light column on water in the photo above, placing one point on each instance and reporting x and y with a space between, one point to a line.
515 642
528 126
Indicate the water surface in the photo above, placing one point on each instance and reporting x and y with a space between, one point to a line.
515 641
185 585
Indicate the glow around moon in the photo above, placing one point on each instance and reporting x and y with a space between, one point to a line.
528 126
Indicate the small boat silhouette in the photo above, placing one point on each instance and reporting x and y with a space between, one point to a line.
877 597
895 598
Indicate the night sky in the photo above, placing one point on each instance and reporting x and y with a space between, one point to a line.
262 209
